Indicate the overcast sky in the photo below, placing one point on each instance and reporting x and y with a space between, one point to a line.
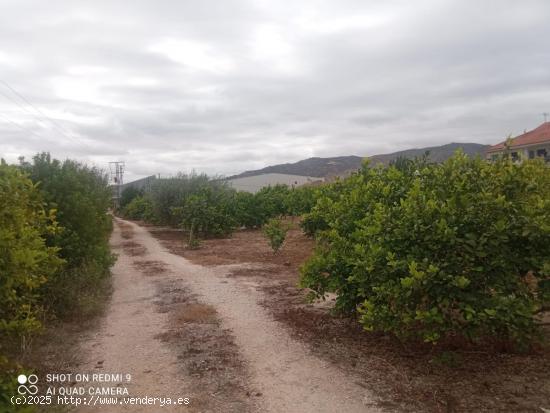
224 86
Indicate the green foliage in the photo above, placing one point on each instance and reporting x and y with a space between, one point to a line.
128 195
300 200
447 359
193 243
207 211
8 387
139 208
435 250
408 165
54 254
165 194
315 219
26 262
78 292
247 211
210 207
272 201
254 210
275 230
81 197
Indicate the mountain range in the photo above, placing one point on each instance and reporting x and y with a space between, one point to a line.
344 165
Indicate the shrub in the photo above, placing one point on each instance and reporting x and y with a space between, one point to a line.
54 255
316 218
26 261
247 211
300 200
193 242
275 230
128 195
81 197
212 207
437 250
8 387
207 211
167 193
272 201
139 208
254 210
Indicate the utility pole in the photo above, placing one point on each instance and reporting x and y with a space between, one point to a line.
116 170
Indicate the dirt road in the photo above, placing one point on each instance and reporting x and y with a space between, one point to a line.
254 364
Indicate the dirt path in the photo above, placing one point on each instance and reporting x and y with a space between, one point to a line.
127 341
285 376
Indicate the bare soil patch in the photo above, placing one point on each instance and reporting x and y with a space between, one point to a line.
126 230
206 352
134 249
243 246
420 377
404 377
195 313
150 267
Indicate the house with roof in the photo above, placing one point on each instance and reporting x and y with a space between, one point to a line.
529 145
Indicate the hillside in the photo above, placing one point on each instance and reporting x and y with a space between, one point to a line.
437 153
317 167
343 165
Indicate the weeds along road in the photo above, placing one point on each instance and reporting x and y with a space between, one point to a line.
184 330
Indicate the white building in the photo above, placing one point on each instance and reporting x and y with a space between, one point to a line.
255 183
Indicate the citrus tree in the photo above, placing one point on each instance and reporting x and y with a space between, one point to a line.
207 211
81 197
25 260
433 250
140 208
275 231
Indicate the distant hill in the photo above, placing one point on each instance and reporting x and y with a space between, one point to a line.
437 153
318 167
344 165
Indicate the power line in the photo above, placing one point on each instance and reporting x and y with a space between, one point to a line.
21 106
20 126
15 92
42 114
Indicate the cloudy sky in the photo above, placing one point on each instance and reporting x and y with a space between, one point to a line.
228 85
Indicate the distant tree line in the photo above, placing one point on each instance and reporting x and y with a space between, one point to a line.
209 207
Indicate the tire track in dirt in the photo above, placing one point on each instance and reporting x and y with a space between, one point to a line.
288 377
170 343
126 341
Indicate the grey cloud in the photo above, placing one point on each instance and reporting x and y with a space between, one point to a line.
226 86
